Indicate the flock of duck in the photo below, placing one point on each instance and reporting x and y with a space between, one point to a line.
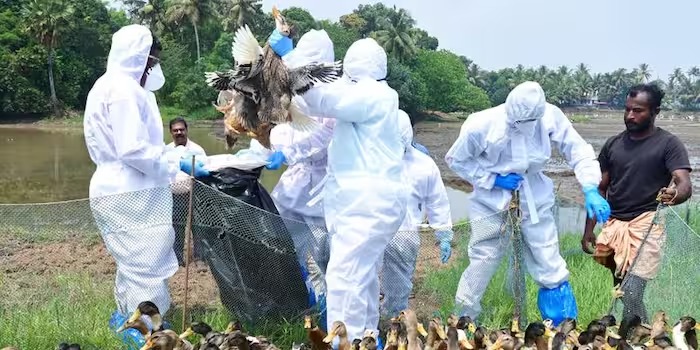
404 332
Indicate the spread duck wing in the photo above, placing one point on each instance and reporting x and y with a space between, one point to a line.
305 77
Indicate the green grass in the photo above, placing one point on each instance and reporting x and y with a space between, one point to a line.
590 281
579 118
75 307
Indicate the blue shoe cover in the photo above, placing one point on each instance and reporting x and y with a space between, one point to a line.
131 337
557 304
380 344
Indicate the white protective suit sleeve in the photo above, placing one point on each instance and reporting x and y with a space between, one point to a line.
314 46
578 153
311 145
437 206
364 64
462 156
131 144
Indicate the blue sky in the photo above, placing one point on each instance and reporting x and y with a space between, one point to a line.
604 34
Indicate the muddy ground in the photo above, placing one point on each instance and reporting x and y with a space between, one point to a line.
438 137
26 267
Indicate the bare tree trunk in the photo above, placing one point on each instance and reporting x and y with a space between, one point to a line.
52 88
196 38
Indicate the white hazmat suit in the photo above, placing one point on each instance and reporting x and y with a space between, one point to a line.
515 138
306 156
364 197
129 191
427 196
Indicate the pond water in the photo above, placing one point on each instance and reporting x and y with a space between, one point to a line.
46 166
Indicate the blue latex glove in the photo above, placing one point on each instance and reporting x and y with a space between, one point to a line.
445 251
596 204
276 159
557 304
509 182
279 43
420 147
133 339
199 171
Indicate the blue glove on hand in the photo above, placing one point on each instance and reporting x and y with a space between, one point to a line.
596 204
420 147
509 182
276 159
445 251
280 44
199 171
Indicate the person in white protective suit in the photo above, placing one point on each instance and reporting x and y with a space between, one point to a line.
427 196
306 156
129 191
505 148
364 197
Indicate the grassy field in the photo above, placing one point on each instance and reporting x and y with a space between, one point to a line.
75 307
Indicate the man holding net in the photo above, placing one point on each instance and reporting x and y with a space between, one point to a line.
637 165
503 149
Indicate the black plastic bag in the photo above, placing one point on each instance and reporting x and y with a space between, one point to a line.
250 252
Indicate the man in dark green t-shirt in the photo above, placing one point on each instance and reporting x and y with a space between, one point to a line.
637 165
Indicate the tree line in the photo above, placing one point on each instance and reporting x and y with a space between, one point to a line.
52 51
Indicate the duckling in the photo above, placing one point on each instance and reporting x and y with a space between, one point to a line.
684 336
436 339
356 344
369 341
535 336
392 335
452 338
659 325
149 309
410 322
480 338
403 342
166 340
233 326
338 329
138 325
236 340
209 336
315 334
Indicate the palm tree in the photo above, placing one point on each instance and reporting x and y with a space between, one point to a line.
46 20
395 35
239 13
194 10
644 73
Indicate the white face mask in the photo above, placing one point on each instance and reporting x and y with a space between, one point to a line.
526 129
155 79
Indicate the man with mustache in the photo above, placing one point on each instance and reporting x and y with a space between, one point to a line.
637 165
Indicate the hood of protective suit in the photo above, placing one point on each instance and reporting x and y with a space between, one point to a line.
365 59
128 55
525 106
314 46
406 129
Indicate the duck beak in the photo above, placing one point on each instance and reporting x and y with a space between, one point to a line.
466 344
471 328
697 326
549 333
441 333
149 345
421 330
188 332
329 337
135 316
307 323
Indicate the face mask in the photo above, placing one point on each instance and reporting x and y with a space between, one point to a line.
526 128
155 79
